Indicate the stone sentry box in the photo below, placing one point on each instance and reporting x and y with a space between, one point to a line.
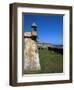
31 55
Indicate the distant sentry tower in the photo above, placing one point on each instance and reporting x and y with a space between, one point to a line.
34 31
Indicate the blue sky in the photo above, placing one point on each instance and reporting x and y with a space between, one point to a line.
49 27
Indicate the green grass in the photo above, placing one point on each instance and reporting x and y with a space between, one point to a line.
50 62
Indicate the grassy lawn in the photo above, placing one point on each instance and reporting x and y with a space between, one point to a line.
50 61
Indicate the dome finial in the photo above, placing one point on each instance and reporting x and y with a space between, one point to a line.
34 24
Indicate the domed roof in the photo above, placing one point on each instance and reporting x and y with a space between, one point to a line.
34 24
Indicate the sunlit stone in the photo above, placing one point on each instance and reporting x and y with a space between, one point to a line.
31 55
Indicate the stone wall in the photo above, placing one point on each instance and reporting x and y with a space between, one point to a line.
31 55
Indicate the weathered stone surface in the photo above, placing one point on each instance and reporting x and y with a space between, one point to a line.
31 56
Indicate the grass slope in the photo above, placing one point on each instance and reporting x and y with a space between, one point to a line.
50 61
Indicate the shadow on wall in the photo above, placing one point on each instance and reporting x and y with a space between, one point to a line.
57 50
